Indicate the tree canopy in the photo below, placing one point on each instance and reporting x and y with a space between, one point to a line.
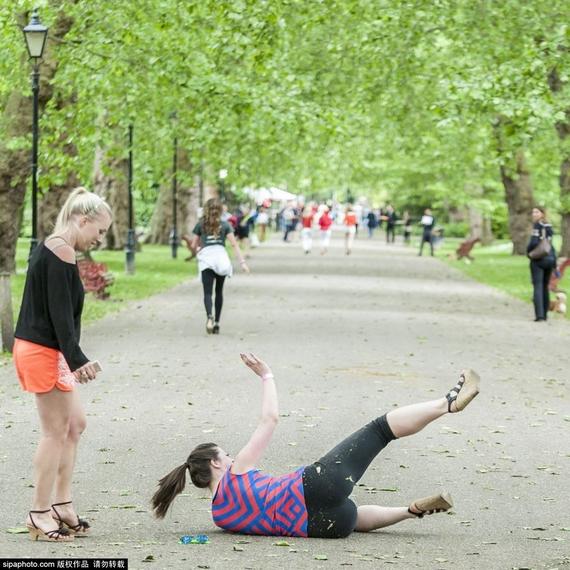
410 101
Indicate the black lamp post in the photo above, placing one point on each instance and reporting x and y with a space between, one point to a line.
201 184
174 232
130 246
223 174
35 34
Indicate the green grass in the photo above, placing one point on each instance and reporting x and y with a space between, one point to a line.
155 271
495 265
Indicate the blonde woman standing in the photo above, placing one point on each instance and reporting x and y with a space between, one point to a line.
49 360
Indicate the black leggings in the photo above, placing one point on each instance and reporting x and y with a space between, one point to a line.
426 238
208 278
329 481
540 272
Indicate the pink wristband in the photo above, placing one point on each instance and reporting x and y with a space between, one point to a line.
267 377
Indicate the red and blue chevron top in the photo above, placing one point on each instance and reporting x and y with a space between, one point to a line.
256 503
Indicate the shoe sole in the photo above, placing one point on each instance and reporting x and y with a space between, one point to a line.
443 501
469 390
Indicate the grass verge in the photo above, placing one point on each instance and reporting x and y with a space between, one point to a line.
495 265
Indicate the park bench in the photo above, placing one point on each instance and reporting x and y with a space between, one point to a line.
464 249
95 277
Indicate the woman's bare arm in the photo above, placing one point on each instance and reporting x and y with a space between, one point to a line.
252 452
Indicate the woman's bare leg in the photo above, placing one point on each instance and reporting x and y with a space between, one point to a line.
64 477
54 409
372 517
411 419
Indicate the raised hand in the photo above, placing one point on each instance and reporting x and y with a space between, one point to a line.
255 364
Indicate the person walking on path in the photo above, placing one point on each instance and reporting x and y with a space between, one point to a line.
407 220
49 360
262 222
325 223
312 501
541 269
349 229
391 219
307 231
371 222
427 222
209 241
290 221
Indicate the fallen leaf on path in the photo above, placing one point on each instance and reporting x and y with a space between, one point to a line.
17 530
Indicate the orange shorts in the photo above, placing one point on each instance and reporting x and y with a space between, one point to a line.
41 369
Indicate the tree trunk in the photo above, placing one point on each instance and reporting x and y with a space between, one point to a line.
479 225
6 311
520 201
52 201
563 130
487 236
111 183
565 205
15 162
187 204
517 184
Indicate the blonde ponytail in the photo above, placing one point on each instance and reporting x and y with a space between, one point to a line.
80 202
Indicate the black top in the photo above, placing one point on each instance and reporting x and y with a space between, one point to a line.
51 306
219 239
538 229
392 218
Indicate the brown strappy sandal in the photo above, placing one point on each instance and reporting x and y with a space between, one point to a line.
430 505
464 391
80 529
56 535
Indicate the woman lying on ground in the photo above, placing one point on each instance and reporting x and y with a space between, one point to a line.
312 501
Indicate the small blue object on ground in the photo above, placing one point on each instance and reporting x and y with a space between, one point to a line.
194 539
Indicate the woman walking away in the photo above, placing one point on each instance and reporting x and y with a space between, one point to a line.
541 265
349 229
49 360
307 231
325 223
312 501
209 241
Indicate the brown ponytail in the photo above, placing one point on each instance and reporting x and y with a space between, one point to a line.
171 485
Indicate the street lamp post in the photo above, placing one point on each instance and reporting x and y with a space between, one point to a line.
174 232
35 34
223 174
201 184
130 246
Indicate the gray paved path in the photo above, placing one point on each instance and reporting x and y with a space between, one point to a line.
348 338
